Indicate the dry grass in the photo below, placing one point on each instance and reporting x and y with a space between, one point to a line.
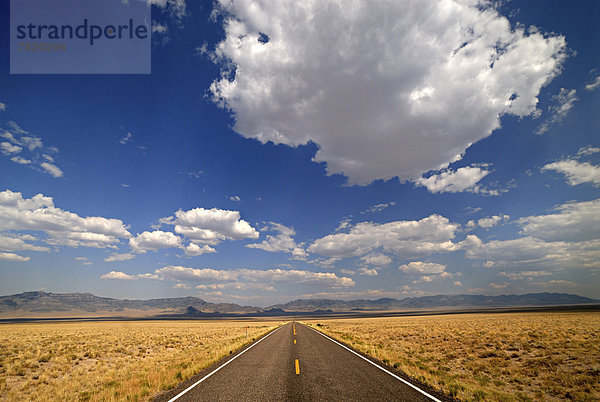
506 357
112 360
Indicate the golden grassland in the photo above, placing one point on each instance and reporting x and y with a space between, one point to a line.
505 357
112 360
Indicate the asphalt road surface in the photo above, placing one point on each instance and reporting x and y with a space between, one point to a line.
296 363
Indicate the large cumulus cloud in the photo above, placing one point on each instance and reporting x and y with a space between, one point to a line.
384 88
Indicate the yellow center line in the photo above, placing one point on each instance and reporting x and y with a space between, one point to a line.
294 341
297 367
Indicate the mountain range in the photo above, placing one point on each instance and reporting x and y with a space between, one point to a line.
81 304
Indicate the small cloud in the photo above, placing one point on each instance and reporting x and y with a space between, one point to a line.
125 185
449 181
234 198
160 29
564 102
491 221
13 257
201 50
367 272
472 210
2 107
593 85
196 174
183 286
589 150
7 148
119 257
52 169
576 172
20 160
378 207
126 139
118 275
193 250
347 271
48 158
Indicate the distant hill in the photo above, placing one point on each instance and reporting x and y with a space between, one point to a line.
31 304
427 302
43 302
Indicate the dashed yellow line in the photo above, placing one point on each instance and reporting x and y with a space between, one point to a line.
294 325
294 341
297 367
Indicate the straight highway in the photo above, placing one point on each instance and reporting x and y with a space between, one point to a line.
297 363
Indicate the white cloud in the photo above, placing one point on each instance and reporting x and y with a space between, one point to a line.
118 275
52 169
62 227
564 102
594 84
119 257
347 271
376 259
186 274
492 221
152 241
448 181
8 243
385 89
404 238
576 172
296 276
211 226
378 207
13 257
2 107
179 273
126 139
123 276
586 151
237 286
177 8
48 158
182 285
530 253
160 29
575 221
234 198
7 148
367 271
423 268
529 275
20 160
193 250
283 242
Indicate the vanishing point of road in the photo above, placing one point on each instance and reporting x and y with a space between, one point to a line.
297 363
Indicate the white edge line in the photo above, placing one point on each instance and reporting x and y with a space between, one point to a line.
223 365
378 366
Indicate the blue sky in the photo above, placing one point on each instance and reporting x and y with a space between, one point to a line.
282 151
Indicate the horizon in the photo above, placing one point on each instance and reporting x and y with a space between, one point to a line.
309 299
293 151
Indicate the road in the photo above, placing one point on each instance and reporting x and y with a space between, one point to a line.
295 363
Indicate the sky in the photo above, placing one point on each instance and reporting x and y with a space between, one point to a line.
313 149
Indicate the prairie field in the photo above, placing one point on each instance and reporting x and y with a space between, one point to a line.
112 360
502 357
